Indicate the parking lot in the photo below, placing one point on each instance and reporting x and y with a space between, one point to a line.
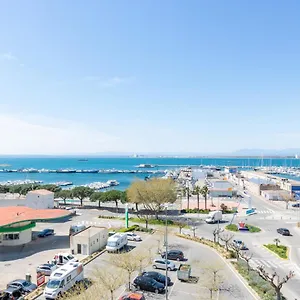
17 261
15 264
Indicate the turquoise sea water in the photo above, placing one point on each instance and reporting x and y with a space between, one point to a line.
119 164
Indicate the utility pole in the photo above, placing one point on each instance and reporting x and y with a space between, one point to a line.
166 256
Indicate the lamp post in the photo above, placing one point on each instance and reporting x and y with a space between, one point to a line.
166 256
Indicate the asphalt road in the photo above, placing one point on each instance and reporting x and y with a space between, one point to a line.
269 217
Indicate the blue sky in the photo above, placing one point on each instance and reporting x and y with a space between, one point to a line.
149 76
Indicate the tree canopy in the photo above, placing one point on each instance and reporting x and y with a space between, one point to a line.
82 192
152 193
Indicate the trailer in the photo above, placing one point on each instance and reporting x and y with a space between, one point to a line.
184 272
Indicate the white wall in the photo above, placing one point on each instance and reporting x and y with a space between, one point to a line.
39 201
24 238
93 243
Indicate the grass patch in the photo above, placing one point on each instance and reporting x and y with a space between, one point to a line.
252 228
232 227
152 221
280 250
220 248
259 285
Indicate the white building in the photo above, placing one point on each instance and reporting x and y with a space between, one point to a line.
40 199
89 240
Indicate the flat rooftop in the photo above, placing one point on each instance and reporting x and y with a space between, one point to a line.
90 231
40 192
16 214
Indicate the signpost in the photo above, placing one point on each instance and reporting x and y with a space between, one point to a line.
126 216
40 278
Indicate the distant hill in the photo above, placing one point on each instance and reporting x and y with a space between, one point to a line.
267 152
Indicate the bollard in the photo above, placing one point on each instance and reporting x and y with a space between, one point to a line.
28 277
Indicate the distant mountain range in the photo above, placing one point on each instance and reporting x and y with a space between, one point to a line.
267 152
239 153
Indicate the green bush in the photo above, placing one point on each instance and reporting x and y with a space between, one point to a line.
261 287
152 221
252 228
108 217
195 211
131 228
232 227
280 250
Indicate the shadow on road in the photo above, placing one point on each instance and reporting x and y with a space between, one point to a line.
39 245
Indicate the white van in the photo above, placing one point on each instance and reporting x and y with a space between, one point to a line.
62 279
76 228
63 258
116 242
214 217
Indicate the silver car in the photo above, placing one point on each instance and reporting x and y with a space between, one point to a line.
160 263
46 269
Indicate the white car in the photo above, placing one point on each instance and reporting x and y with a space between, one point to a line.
160 263
46 269
133 237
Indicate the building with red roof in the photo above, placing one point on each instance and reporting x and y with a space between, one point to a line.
16 222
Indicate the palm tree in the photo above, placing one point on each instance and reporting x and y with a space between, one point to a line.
204 193
276 241
197 191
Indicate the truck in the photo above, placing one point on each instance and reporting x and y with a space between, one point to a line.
62 279
63 258
214 217
116 242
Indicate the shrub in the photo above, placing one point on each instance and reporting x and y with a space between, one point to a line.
152 221
131 228
261 287
232 227
280 250
195 211
252 228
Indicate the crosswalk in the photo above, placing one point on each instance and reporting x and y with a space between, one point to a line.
264 211
274 264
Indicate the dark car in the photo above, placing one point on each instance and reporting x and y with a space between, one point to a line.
283 231
11 293
148 284
173 255
46 232
157 276
296 205
23 285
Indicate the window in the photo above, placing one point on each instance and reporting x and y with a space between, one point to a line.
11 236
97 240
69 278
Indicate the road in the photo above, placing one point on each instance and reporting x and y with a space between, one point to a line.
269 217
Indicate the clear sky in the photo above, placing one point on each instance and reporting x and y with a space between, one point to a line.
149 76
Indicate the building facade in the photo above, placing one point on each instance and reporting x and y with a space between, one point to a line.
40 199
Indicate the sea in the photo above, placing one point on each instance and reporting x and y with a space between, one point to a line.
120 163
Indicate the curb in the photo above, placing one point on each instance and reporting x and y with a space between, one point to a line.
39 293
227 262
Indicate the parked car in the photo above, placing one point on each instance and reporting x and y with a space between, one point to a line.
46 269
240 244
46 232
161 264
133 296
283 231
23 285
11 293
133 237
148 284
173 255
296 205
157 276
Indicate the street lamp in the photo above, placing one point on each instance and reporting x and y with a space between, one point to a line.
166 251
